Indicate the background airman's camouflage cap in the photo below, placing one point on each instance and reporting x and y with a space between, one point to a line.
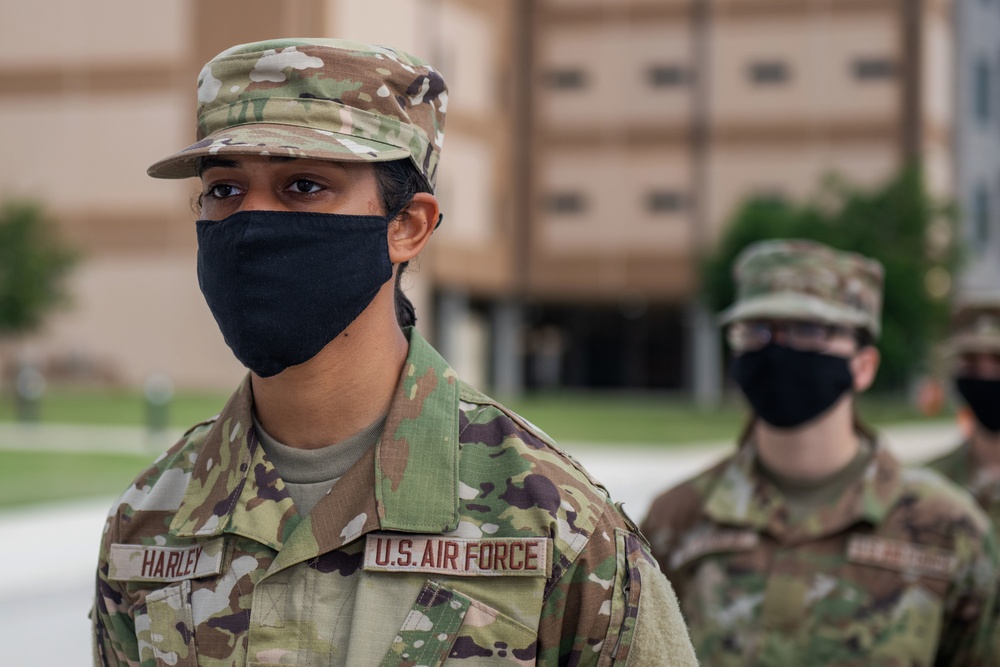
975 327
806 280
327 99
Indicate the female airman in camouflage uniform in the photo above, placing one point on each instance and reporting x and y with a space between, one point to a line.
811 544
355 503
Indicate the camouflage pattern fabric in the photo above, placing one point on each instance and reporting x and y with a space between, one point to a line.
464 537
327 99
901 571
982 484
975 327
806 280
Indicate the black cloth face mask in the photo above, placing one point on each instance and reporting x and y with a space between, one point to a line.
282 285
983 398
787 387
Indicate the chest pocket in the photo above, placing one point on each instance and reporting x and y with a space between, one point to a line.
444 624
164 627
901 587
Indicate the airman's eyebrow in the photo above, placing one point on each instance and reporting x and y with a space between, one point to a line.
206 163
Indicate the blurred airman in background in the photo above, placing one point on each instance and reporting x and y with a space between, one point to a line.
812 544
974 351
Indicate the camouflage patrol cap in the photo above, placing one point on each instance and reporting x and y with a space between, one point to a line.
975 327
806 280
326 99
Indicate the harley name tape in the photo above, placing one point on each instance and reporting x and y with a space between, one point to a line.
457 556
133 562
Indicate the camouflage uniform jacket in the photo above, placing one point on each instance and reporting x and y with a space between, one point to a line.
957 466
464 536
900 571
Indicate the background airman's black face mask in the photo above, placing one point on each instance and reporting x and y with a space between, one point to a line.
787 387
282 285
983 398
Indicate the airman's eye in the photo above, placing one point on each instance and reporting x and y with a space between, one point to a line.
305 186
222 191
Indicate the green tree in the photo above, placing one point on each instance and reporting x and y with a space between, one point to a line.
33 266
898 224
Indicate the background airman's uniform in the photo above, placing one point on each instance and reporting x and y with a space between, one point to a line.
976 328
899 568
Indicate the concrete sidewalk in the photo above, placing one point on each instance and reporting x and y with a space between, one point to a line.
47 567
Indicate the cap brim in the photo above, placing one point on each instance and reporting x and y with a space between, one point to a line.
277 140
973 343
794 306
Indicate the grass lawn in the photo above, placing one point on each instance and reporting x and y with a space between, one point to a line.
33 477
117 408
569 417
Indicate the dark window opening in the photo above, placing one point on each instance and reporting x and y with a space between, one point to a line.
667 76
981 218
982 90
874 69
629 345
666 201
767 73
769 196
566 79
564 202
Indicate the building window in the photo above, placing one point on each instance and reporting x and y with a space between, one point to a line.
563 203
874 69
982 90
771 196
665 201
769 72
566 79
981 218
667 76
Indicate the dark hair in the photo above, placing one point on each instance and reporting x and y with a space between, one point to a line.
397 182
864 338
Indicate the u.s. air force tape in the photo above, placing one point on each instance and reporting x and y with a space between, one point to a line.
894 554
457 556
133 562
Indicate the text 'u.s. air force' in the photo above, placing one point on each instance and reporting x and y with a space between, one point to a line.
483 557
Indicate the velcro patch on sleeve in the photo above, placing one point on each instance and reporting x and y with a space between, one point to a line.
457 556
134 562
717 541
902 556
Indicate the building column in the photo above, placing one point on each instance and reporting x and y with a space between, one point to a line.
706 356
508 347
452 314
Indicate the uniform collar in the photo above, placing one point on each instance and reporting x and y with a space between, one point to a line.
956 465
742 497
408 482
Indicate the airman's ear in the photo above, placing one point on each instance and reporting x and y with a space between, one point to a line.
864 366
412 228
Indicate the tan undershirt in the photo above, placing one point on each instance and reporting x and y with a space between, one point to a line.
309 474
803 497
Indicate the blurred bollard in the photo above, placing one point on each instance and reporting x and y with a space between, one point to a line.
158 390
28 392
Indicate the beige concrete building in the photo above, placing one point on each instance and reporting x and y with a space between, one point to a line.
92 93
657 118
594 149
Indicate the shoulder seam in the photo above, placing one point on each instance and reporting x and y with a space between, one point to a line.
554 580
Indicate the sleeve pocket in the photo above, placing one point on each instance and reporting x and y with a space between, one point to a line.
659 636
